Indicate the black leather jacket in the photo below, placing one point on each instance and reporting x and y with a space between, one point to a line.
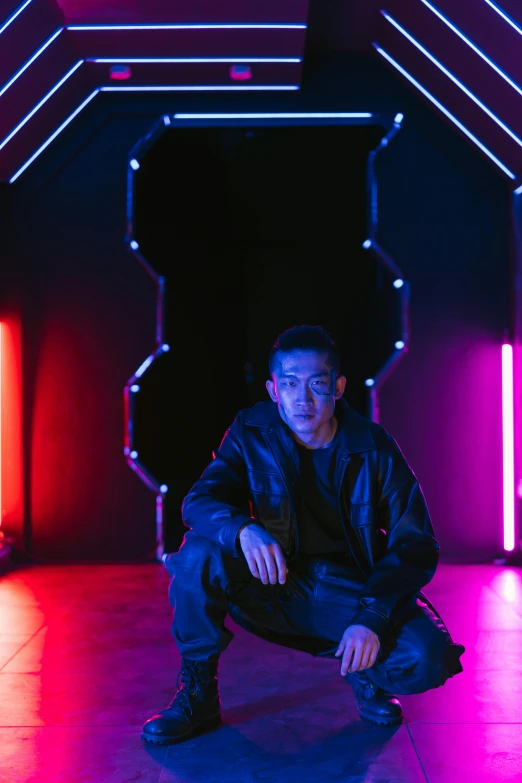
254 475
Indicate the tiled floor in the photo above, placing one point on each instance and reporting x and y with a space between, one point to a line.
86 656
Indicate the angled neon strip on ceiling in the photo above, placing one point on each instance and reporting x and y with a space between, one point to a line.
53 136
452 78
445 111
14 15
511 22
29 62
473 46
39 105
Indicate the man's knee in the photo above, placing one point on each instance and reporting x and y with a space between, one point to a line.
193 552
430 664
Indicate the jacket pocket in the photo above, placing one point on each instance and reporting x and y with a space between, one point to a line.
266 483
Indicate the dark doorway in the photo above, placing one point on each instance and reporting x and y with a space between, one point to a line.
255 230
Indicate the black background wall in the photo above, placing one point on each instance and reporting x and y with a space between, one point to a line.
88 314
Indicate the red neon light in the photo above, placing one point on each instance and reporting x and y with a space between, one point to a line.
11 463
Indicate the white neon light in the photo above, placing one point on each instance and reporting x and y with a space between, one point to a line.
133 455
508 447
134 388
399 345
369 382
398 283
398 118
141 369
195 60
39 105
14 15
199 88
134 244
165 348
134 164
445 111
504 16
30 61
51 138
163 489
453 78
367 244
279 116
518 191
166 120
186 27
473 46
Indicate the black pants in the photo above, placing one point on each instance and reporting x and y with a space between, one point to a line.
310 612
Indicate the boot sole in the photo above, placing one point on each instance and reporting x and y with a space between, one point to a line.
382 721
212 723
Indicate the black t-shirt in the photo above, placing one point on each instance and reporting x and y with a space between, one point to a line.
320 526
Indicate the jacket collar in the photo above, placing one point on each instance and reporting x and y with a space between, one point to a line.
354 429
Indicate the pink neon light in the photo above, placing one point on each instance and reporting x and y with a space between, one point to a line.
508 447
1 395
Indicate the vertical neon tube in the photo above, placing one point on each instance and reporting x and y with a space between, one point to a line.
508 447
1 395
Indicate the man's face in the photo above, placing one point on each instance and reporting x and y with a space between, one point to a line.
305 389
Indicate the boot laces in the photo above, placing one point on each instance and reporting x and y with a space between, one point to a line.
364 687
189 688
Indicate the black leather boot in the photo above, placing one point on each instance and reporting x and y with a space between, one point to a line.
375 705
196 705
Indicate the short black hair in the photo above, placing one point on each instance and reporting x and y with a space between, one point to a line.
306 338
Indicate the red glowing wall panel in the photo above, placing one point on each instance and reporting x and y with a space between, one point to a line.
12 509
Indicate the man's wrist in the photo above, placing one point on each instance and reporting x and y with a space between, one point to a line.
250 522
247 524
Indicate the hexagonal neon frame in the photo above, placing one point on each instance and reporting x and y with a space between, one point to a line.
295 118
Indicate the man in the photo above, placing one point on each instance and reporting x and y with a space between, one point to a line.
311 531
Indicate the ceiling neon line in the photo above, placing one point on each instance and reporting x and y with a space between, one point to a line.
14 15
453 78
445 111
473 46
30 61
53 136
248 26
504 16
190 60
39 105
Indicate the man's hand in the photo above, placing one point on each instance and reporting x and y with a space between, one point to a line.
360 642
263 554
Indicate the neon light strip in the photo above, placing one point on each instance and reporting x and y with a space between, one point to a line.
195 60
518 191
53 136
13 16
504 16
1 395
472 46
29 62
187 27
282 116
453 78
200 88
508 447
141 369
448 114
39 105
